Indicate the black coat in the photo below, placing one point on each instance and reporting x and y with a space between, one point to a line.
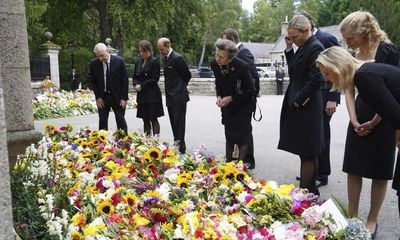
147 77
328 40
177 77
118 78
235 82
245 55
301 129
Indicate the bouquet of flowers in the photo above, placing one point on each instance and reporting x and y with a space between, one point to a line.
103 185
56 103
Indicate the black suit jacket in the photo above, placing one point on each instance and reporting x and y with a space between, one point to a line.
118 78
147 77
177 77
225 85
301 129
328 40
245 55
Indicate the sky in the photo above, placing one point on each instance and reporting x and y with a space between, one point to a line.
248 5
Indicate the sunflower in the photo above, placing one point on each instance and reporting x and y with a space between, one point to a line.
240 176
153 153
50 128
102 137
75 235
105 207
95 142
131 199
94 133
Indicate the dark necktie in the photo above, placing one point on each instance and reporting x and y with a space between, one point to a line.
108 83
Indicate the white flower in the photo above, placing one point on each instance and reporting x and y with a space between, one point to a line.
164 190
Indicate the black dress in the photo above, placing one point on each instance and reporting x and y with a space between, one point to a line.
235 81
149 101
372 156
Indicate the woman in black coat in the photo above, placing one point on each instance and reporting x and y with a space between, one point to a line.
301 124
145 82
235 91
378 85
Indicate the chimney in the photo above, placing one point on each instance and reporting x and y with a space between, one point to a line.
284 26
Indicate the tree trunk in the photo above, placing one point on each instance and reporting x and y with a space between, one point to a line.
203 51
105 24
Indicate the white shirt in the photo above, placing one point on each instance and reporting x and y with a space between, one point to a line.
169 53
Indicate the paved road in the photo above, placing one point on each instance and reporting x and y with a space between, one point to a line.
203 126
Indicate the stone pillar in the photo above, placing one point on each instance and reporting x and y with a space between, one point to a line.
16 78
51 49
110 49
6 222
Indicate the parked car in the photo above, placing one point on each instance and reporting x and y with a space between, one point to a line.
261 73
202 72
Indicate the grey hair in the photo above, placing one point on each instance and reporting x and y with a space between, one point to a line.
226 45
299 23
99 47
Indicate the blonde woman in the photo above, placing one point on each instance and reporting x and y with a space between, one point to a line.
370 143
378 85
301 124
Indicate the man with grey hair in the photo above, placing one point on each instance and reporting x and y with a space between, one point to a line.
109 81
177 77
235 91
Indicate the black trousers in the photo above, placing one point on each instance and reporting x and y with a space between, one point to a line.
250 151
324 162
119 113
279 87
177 118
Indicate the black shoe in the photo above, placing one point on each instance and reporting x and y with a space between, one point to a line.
297 178
320 182
373 235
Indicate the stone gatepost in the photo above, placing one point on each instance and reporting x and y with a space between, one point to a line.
6 222
16 79
51 49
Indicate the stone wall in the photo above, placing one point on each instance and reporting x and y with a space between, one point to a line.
206 86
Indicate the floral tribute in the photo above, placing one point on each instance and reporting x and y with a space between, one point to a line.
56 103
103 185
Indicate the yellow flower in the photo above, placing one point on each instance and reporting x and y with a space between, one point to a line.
50 128
94 133
75 235
92 230
241 176
310 237
72 103
79 219
105 207
102 137
153 153
209 233
167 226
285 189
139 220
226 238
130 199
154 194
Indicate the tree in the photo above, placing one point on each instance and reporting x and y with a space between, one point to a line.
332 12
221 14
265 24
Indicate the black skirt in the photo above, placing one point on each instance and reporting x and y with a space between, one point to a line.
237 128
149 111
370 156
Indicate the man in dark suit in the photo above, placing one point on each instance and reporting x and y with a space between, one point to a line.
74 80
244 54
280 75
330 101
109 80
177 77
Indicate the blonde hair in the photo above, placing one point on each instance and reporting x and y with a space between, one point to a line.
364 25
299 23
340 61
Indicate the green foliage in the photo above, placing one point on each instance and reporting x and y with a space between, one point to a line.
265 24
332 12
